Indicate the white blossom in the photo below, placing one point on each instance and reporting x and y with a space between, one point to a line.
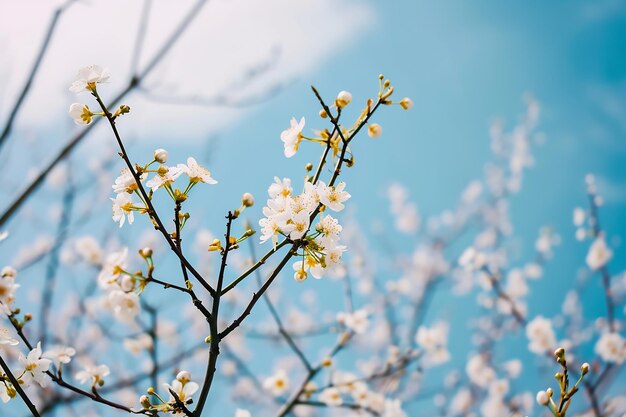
6 339
60 355
540 335
599 254
94 374
611 347
357 321
195 172
331 397
333 197
35 367
277 384
123 209
125 305
88 77
80 113
292 136
434 341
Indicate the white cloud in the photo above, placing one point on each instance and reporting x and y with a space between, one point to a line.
227 39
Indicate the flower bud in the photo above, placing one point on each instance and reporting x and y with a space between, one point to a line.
247 199
128 283
343 99
326 362
145 402
584 368
9 272
309 167
183 376
150 391
145 252
374 130
323 114
542 398
559 352
160 155
215 245
406 103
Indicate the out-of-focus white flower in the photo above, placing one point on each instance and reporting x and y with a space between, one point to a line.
599 254
540 335
374 130
331 397
6 339
60 354
405 213
406 103
80 113
112 269
471 259
461 402
125 305
93 373
35 367
7 392
578 216
357 321
88 77
277 384
138 344
546 241
292 136
393 408
434 341
89 249
611 347
493 407
195 172
479 371
7 285
513 367
499 388
240 412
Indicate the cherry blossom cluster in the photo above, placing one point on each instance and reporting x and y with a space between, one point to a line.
163 178
290 215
